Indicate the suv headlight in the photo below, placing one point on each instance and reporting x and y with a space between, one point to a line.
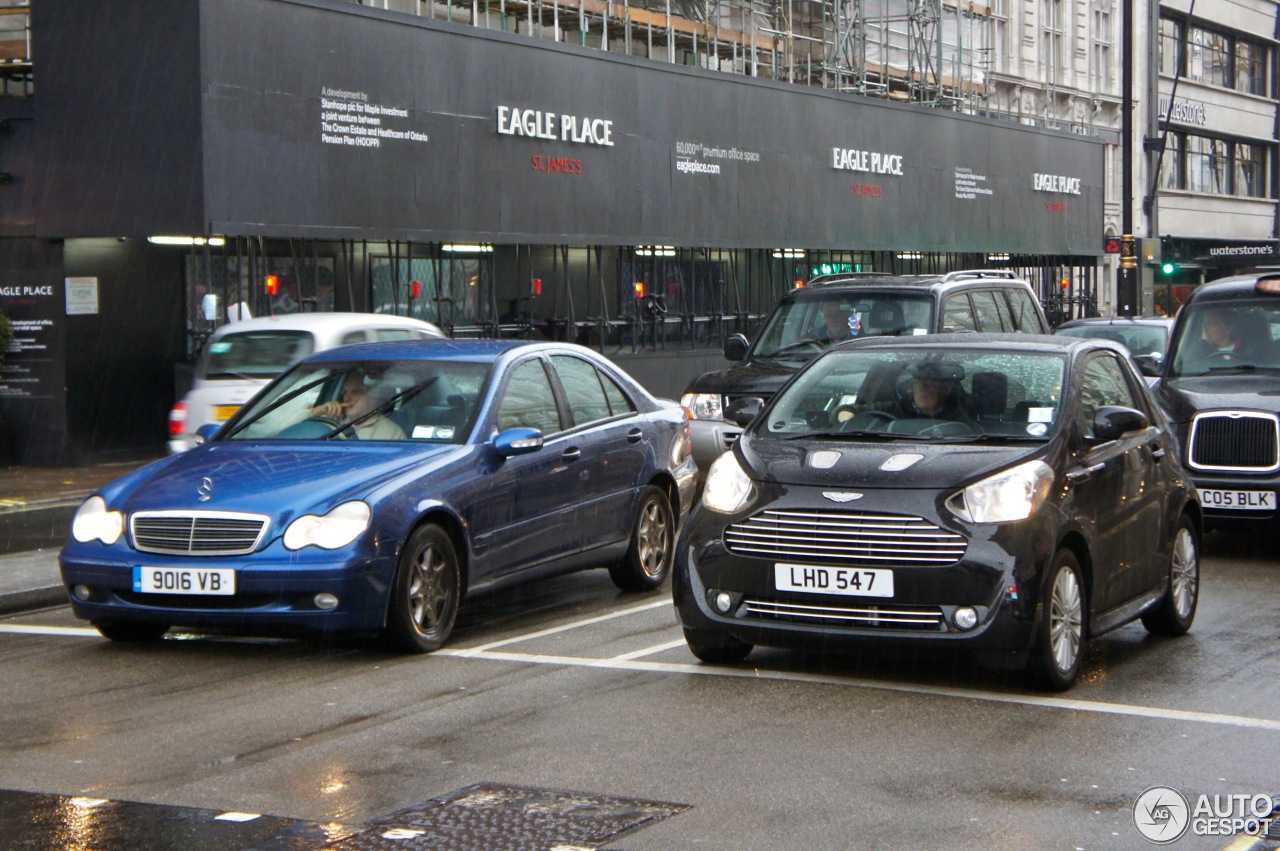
94 523
336 529
728 489
1014 494
704 406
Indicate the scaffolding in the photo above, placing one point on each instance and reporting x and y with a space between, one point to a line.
931 52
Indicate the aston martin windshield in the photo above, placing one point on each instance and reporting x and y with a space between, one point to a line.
923 394
367 400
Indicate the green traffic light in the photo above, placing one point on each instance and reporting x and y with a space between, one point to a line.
1169 268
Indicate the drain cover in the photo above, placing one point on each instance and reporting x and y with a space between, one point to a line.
492 817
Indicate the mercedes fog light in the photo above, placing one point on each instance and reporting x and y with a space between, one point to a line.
326 601
965 617
83 593
724 602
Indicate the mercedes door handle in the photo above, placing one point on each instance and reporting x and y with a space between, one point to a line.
1081 475
571 454
635 436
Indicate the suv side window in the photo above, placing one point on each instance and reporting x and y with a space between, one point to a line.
957 314
1025 315
992 310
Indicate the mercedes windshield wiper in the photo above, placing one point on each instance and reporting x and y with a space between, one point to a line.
292 394
386 406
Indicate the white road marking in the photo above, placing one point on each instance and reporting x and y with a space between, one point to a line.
629 662
906 688
565 628
649 651
50 630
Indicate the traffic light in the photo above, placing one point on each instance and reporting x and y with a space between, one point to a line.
1168 267
273 285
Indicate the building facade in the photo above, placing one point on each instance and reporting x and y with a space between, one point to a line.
644 178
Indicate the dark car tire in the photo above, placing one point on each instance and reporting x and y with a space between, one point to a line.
1177 609
426 592
1054 663
653 544
715 648
131 632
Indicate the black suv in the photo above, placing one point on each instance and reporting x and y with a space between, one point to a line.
1220 385
833 308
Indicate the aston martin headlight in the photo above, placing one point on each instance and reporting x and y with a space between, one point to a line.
1014 494
336 529
704 406
727 489
94 523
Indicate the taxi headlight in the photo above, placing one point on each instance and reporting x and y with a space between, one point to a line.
1014 494
94 523
728 489
336 529
704 406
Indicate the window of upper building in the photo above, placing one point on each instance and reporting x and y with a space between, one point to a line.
1213 57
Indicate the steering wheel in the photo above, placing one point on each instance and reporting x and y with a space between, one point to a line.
327 421
879 421
809 342
946 428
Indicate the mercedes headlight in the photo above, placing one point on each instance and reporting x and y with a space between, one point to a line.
704 406
1014 494
94 523
336 529
727 489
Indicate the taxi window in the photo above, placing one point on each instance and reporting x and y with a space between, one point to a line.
255 354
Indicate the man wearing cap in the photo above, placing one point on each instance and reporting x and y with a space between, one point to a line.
935 393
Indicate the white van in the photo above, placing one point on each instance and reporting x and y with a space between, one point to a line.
241 357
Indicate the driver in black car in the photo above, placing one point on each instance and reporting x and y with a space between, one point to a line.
935 394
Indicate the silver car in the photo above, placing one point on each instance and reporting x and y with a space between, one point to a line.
241 357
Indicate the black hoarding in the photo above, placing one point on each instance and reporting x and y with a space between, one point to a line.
325 119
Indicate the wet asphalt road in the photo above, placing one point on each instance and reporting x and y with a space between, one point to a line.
571 686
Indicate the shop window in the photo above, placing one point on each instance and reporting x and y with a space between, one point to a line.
1208 57
1208 165
1249 171
1169 40
1250 68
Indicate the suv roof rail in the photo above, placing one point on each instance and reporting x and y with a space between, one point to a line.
962 274
837 277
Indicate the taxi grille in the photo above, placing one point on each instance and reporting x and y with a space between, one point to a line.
199 533
923 618
1235 440
846 537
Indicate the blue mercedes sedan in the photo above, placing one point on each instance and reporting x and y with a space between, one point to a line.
371 488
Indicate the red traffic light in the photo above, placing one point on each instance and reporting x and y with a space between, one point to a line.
537 286
273 284
1065 283
415 289
639 289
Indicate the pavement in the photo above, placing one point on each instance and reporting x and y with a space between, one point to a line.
36 507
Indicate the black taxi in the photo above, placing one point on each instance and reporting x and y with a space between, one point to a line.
1220 386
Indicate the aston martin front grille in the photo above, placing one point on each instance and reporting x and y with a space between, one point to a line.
844 537
1246 441
889 616
198 533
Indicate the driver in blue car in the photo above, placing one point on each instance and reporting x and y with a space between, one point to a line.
358 399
